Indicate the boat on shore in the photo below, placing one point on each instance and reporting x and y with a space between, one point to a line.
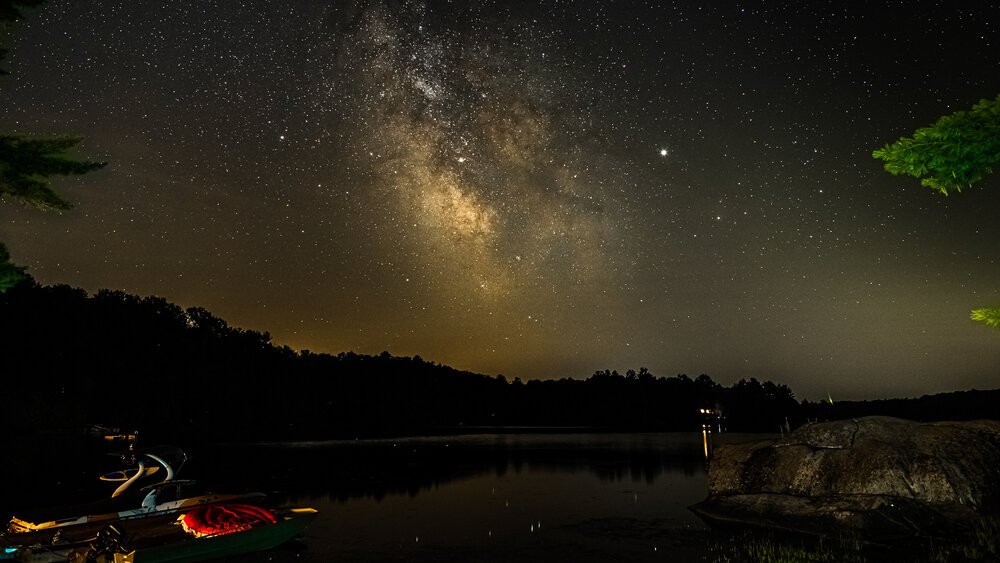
173 529
167 537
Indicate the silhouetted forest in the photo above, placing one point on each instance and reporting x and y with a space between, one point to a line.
70 360
957 405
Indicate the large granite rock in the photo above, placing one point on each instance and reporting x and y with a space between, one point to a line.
879 477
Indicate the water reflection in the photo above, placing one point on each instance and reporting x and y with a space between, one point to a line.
711 420
497 497
344 470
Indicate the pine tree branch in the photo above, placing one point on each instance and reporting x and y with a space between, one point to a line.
988 315
26 163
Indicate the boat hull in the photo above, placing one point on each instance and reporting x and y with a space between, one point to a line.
291 524
20 525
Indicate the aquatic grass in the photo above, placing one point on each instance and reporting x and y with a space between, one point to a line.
750 547
982 545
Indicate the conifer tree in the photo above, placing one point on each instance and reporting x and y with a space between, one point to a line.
27 162
988 315
10 274
10 12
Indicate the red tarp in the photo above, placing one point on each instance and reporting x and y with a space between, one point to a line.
224 518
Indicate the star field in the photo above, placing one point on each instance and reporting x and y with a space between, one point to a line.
539 191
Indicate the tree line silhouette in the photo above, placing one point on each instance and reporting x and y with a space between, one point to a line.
70 360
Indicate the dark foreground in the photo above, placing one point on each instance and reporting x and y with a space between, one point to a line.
492 498
630 540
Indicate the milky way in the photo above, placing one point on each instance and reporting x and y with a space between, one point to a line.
473 147
539 191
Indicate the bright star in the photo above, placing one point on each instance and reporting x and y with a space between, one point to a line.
663 152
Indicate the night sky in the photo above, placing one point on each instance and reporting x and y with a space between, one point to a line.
538 190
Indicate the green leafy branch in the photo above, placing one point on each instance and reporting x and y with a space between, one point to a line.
954 153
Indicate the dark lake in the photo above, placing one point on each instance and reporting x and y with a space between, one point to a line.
526 496
483 497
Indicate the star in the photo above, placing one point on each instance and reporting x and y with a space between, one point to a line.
439 145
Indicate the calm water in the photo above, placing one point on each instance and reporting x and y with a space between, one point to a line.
486 497
490 497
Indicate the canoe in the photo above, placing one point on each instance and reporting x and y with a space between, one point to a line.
174 544
165 538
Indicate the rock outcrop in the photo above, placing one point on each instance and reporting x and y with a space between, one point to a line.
878 477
